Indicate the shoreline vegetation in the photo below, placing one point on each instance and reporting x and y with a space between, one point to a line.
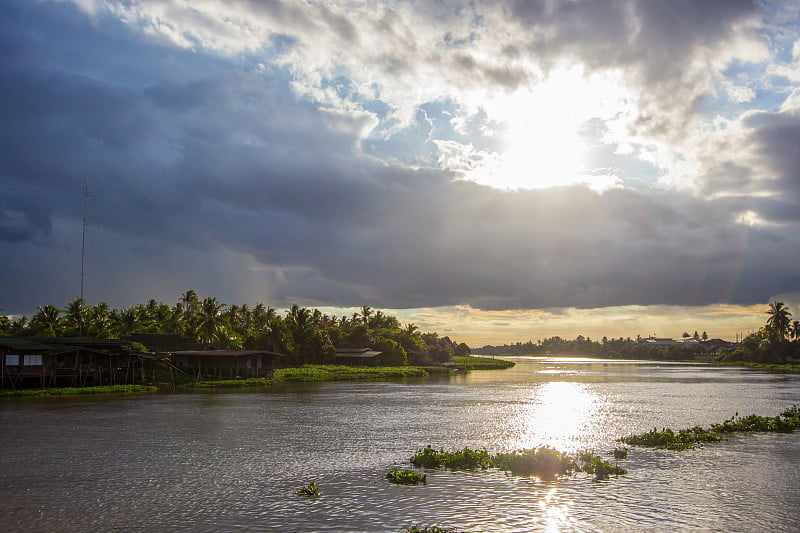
773 347
303 374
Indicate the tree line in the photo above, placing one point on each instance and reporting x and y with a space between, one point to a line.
609 348
777 341
305 335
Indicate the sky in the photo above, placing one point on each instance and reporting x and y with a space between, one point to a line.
495 171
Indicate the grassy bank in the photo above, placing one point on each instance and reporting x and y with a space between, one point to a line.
478 363
311 373
75 391
230 383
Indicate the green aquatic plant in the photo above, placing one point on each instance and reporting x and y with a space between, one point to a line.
601 469
404 476
427 457
308 490
466 459
620 453
543 462
684 439
429 529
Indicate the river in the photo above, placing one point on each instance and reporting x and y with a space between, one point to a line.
212 462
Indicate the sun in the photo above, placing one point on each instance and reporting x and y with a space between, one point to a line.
544 127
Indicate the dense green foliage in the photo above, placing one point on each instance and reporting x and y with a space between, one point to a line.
544 462
307 336
621 348
404 476
787 421
73 391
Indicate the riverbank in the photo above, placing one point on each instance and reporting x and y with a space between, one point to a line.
784 369
470 362
302 374
74 391
320 373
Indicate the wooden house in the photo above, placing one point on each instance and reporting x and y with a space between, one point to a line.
25 363
226 364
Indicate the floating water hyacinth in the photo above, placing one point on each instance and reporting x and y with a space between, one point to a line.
684 439
404 476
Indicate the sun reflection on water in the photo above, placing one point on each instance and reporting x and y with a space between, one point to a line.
566 416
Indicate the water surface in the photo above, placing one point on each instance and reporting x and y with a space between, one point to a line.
230 462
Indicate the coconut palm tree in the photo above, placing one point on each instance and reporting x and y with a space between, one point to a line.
98 320
795 330
209 319
46 322
778 321
75 316
366 312
128 320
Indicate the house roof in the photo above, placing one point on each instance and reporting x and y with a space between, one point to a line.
23 344
225 353
80 341
360 353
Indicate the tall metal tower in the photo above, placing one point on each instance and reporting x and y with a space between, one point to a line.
83 249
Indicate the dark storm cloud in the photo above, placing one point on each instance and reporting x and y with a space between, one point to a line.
214 175
777 137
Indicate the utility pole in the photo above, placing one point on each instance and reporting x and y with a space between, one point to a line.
83 250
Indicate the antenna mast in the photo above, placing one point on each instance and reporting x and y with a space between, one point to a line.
83 249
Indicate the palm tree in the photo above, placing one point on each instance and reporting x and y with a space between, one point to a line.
191 304
98 320
411 329
75 315
209 319
46 321
127 320
778 321
366 312
795 330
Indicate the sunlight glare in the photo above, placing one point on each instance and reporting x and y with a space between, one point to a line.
545 130
562 416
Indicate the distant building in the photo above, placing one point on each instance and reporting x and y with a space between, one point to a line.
659 341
